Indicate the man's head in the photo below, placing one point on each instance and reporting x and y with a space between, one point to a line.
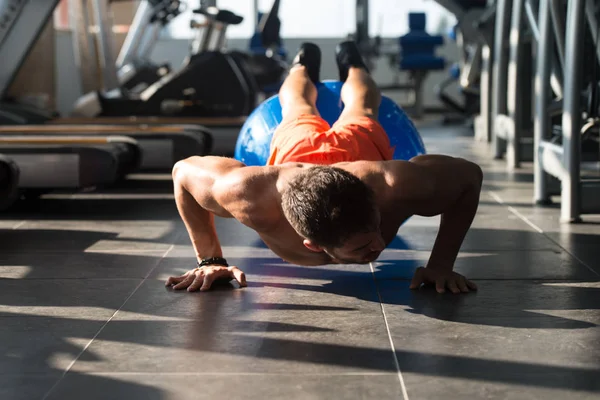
335 212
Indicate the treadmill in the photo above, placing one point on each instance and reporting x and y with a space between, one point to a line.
161 145
224 132
134 69
45 164
36 164
225 129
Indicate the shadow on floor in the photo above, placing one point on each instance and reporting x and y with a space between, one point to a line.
68 240
237 343
494 305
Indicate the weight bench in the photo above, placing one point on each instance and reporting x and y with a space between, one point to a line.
417 57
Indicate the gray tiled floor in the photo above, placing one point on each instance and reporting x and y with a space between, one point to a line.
84 312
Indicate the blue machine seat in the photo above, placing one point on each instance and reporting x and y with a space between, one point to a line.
421 41
418 46
422 62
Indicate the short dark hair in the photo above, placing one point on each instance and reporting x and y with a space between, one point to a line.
327 205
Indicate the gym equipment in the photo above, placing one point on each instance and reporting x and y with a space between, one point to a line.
266 38
562 158
161 145
51 163
414 52
220 132
67 162
468 14
134 69
417 56
369 47
470 104
253 144
474 35
13 112
511 112
125 149
266 61
9 182
210 83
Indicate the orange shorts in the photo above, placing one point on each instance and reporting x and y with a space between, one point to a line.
310 139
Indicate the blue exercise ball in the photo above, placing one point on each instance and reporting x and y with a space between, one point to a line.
254 141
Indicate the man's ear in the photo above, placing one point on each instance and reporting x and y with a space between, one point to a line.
312 247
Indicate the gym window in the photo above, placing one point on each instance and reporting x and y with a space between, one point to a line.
298 19
334 19
389 18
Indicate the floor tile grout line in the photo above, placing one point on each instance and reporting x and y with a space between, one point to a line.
387 327
66 371
516 212
526 220
540 230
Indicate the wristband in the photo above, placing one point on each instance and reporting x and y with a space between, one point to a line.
213 261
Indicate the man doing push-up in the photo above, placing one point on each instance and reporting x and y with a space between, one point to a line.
328 194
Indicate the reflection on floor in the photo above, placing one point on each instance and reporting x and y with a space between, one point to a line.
84 312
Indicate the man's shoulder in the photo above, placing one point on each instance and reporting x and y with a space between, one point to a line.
377 171
250 195
395 180
248 175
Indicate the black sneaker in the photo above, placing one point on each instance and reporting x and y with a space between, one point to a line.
347 55
309 55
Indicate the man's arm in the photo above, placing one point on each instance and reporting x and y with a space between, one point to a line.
199 183
456 221
195 180
452 189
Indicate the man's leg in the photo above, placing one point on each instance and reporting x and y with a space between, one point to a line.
298 98
358 123
298 93
360 93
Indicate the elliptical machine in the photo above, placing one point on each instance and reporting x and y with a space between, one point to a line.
266 60
211 82
134 69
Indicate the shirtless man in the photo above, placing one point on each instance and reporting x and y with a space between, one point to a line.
328 194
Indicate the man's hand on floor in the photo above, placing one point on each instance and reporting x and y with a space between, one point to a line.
442 279
203 278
